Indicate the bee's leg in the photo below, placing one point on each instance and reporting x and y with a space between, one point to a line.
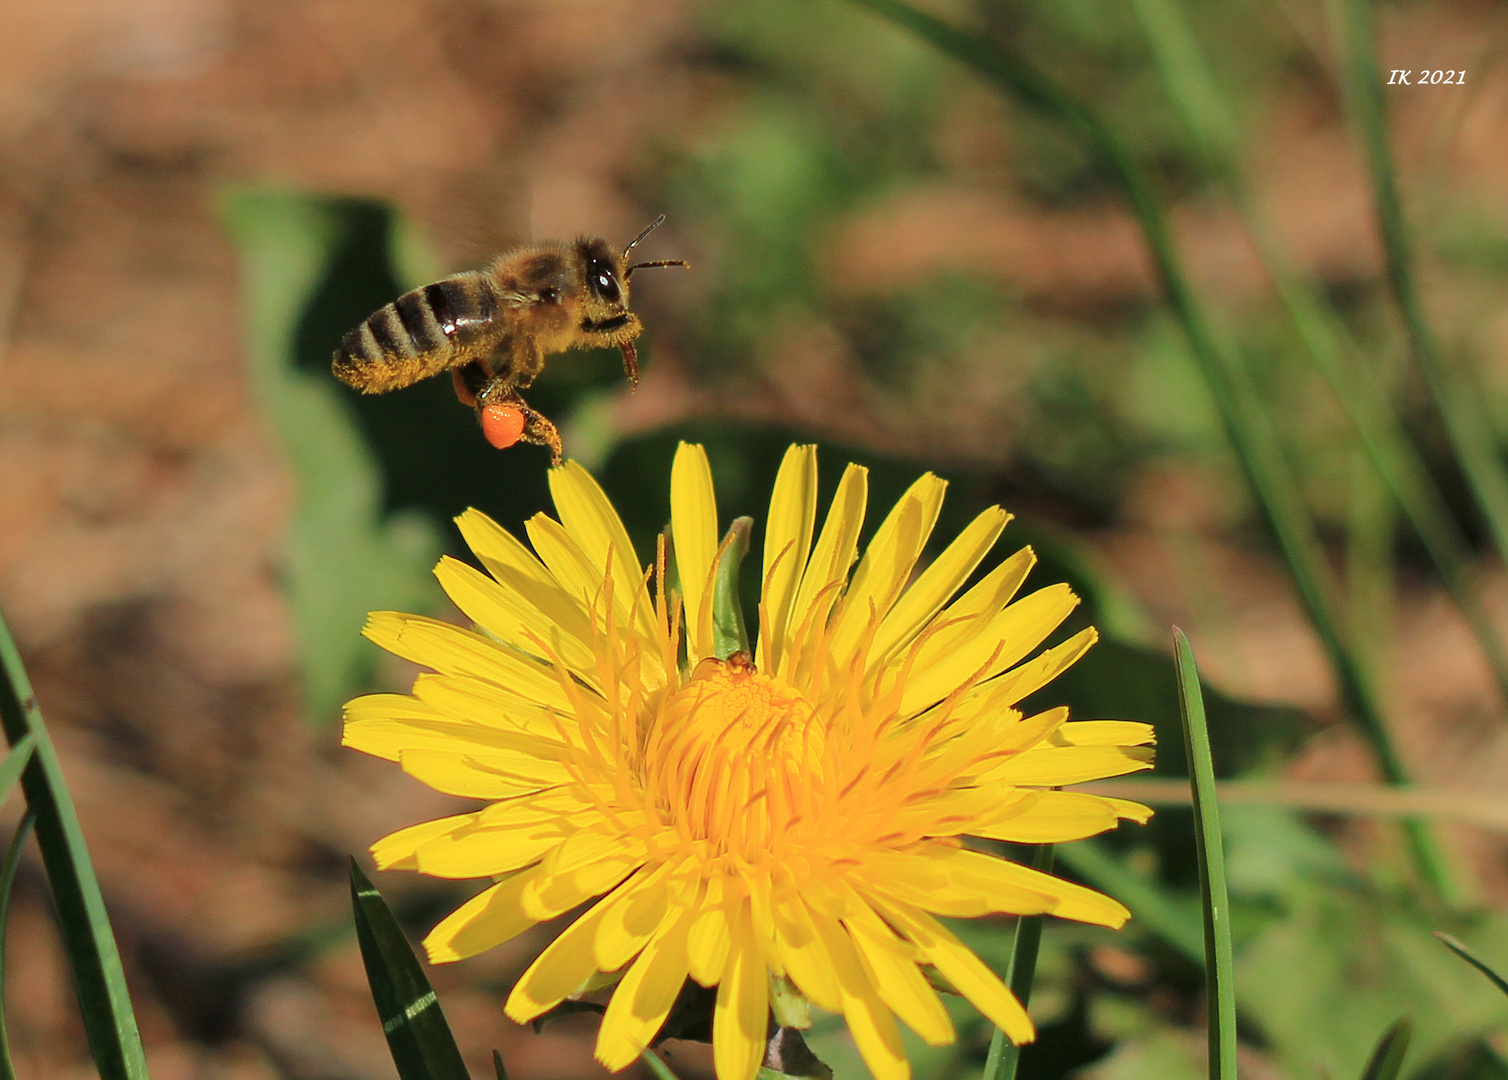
630 363
470 380
537 427
539 430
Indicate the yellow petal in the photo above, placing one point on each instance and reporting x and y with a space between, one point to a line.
968 974
693 527
1055 817
489 851
1026 679
491 708
887 565
1105 733
1007 638
624 930
800 953
453 651
524 577
891 966
708 940
937 584
989 875
738 1018
644 997
1059 766
962 620
588 515
500 611
787 543
470 777
488 919
568 962
828 567
395 851
587 864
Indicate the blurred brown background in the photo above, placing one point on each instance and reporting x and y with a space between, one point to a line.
144 500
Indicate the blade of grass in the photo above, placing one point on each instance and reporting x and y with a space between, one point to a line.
1475 961
657 1065
417 1034
1005 1056
14 763
98 977
1247 425
1196 97
8 879
1219 964
1466 425
1153 907
1387 1058
497 1065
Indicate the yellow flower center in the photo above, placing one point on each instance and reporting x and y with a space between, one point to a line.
727 750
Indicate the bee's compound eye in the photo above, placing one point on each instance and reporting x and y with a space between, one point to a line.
549 296
502 425
602 282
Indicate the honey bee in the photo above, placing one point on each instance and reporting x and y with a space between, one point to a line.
493 329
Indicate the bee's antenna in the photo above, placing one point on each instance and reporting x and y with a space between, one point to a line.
651 227
628 273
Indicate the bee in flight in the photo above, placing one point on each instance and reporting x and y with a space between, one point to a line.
493 329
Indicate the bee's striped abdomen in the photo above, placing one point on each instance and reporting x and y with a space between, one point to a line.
420 334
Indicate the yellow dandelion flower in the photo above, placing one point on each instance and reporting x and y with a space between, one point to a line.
791 818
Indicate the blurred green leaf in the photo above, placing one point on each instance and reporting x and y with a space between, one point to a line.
343 558
1475 961
1387 1059
497 1065
99 979
730 633
417 1034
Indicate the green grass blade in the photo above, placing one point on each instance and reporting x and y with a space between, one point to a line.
109 1023
497 1065
1475 961
8 879
1247 425
1005 1056
1196 97
1154 908
1466 425
657 1065
14 763
1387 1058
1219 959
417 1034
730 634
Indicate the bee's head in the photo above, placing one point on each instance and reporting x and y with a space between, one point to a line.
604 292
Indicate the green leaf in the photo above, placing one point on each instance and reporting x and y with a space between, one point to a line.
1387 1059
1219 961
109 1023
1475 961
7 880
343 558
1005 1056
730 634
497 1065
417 1035
14 763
